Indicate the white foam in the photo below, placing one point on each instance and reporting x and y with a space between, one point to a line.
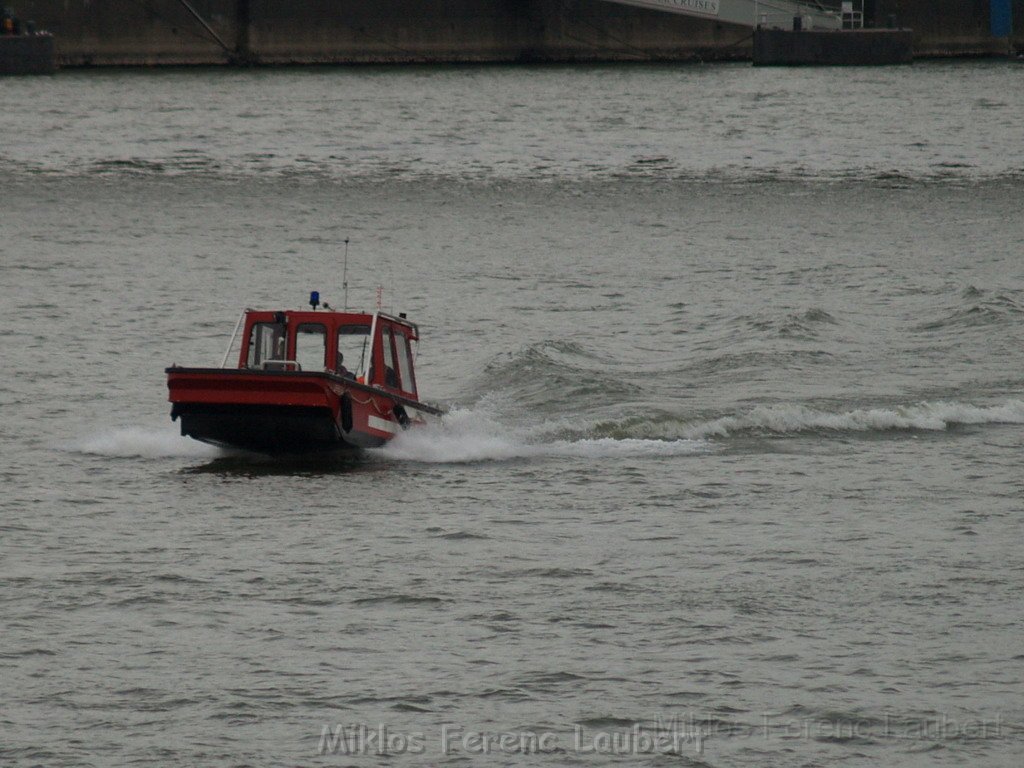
142 442
609 447
474 434
783 419
469 435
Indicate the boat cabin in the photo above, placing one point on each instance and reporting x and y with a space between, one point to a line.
373 349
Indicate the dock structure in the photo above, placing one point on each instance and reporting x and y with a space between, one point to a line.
184 32
864 47
23 49
845 41
27 55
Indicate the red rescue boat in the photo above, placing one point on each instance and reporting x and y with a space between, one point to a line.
307 381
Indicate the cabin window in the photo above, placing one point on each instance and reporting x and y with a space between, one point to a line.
404 355
310 346
390 374
266 342
353 349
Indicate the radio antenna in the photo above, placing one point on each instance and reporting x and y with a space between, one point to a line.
344 275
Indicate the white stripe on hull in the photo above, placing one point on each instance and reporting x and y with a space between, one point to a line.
375 422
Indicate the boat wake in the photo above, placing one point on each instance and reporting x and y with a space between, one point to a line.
482 433
472 435
793 419
487 432
145 443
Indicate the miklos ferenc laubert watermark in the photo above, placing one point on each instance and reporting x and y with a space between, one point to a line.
453 739
673 737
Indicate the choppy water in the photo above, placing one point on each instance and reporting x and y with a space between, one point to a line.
734 364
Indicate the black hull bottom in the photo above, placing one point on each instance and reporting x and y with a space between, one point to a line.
269 429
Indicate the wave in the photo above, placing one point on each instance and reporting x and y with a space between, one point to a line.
468 435
557 374
790 419
795 325
474 434
239 165
978 307
142 442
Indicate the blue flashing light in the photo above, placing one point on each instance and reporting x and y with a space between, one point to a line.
314 299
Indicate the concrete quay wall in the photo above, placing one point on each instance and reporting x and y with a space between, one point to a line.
163 32
951 27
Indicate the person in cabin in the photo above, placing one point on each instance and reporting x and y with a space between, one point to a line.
341 369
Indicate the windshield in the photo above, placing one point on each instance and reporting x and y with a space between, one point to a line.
404 363
353 348
310 346
266 342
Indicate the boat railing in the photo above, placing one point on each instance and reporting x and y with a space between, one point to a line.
231 343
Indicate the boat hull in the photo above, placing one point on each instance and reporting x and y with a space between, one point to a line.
261 428
279 412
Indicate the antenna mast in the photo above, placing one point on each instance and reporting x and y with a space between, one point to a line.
344 275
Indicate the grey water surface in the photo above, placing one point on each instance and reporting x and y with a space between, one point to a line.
732 469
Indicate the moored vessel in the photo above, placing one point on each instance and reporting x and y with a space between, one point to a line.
23 49
305 381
